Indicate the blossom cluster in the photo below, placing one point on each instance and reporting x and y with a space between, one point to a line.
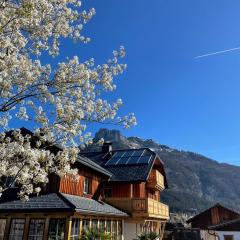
27 163
61 101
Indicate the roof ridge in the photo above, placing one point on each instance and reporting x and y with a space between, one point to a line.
120 149
61 195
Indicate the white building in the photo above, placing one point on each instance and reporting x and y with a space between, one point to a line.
228 230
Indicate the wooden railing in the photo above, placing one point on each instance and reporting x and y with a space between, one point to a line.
156 180
141 207
150 207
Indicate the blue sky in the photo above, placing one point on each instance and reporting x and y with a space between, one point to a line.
180 101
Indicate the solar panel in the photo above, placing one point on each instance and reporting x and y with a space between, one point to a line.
133 160
144 159
121 161
128 153
139 152
118 154
130 157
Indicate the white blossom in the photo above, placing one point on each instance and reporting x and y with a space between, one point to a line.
60 101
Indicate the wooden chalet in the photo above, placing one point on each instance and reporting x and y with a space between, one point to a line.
137 180
212 216
217 223
118 192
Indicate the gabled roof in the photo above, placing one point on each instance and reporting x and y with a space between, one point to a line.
231 225
218 205
60 202
133 171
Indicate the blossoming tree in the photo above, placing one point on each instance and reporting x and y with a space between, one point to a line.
60 101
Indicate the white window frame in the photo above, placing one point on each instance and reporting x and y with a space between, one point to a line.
87 185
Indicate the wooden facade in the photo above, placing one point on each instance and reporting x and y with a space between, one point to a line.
212 216
141 200
73 186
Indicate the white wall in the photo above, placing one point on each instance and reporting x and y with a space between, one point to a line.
206 236
131 230
236 235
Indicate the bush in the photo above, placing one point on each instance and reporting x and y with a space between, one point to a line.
95 234
147 236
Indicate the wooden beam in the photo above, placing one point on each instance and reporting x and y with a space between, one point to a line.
26 228
131 190
68 228
162 230
45 235
7 228
123 230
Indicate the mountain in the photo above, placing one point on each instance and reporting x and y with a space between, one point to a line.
195 181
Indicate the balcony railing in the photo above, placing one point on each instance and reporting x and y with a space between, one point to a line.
156 180
141 207
150 207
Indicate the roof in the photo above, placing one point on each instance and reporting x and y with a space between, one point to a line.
87 205
50 202
93 165
60 202
218 205
227 225
130 172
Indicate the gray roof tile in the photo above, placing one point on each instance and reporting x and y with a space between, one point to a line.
49 202
86 205
93 165
61 202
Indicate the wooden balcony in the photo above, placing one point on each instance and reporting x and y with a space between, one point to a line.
141 207
156 180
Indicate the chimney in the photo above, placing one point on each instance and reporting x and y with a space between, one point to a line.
107 147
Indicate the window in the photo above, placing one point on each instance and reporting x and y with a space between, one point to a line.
114 230
16 229
95 224
102 226
108 226
86 187
36 229
75 228
2 228
108 192
228 237
56 229
85 224
119 230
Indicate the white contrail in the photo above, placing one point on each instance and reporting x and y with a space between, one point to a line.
219 52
